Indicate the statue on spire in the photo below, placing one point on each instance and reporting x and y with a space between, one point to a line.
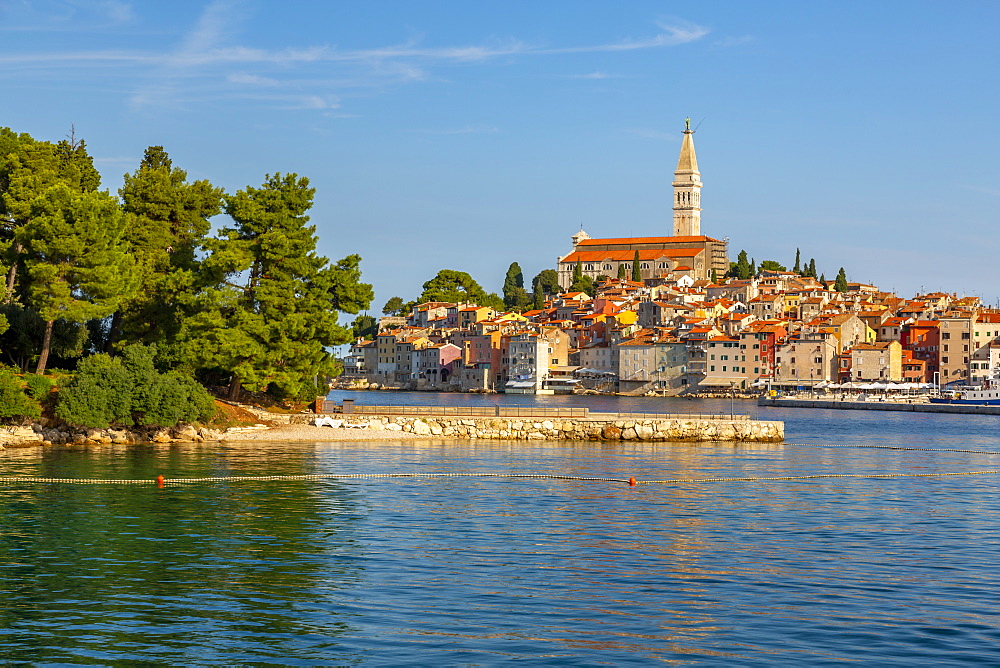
687 124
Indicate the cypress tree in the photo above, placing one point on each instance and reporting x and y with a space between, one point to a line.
512 283
798 262
622 272
743 266
636 269
841 283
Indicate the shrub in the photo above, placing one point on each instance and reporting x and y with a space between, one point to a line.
14 403
99 395
130 391
39 387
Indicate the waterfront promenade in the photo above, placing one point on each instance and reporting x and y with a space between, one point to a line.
897 405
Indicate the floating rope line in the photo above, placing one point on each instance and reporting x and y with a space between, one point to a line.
161 481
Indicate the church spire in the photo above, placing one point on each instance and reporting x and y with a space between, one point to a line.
687 188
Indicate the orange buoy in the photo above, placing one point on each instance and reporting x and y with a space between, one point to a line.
159 481
632 482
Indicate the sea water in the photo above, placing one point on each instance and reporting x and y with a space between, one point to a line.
474 570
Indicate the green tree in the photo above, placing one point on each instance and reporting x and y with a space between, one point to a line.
742 268
622 272
28 168
811 268
771 265
636 269
585 284
364 327
798 262
272 310
168 224
715 276
458 287
547 282
753 267
841 283
519 300
394 306
513 284
76 262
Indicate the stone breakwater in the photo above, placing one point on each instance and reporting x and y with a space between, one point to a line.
44 434
567 429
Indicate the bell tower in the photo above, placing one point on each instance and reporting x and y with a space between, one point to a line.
687 189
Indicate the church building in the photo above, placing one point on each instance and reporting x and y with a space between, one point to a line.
686 253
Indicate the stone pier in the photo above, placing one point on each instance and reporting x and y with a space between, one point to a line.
593 427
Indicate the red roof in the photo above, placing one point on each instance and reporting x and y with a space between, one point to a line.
629 255
645 240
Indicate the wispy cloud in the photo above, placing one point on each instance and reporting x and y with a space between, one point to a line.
209 60
64 15
592 75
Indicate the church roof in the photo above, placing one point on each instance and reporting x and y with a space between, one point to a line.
645 240
629 255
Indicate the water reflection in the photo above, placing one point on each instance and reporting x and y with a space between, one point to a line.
467 570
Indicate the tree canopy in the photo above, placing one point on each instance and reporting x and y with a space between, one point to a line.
458 287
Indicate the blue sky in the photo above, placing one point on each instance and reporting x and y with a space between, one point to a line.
466 135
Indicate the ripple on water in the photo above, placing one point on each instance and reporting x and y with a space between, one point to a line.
896 571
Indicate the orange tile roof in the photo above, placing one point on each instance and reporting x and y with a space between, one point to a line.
629 255
646 240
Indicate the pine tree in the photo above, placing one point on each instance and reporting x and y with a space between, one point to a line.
75 259
273 312
636 269
460 288
169 224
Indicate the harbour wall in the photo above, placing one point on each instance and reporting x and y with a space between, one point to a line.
916 407
592 428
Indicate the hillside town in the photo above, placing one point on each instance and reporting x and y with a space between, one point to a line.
668 325
675 335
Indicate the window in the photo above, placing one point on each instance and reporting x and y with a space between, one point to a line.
645 265
607 266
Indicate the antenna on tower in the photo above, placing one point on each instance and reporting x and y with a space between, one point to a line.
699 124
